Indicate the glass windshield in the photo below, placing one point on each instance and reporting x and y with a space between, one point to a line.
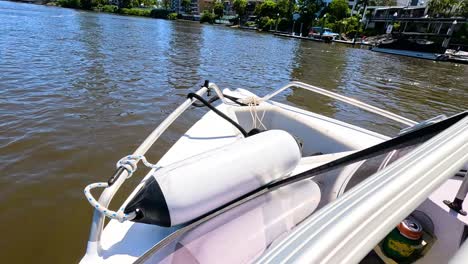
245 232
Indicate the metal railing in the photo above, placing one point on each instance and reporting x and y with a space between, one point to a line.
344 99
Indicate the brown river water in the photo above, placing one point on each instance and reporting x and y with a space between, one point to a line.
79 90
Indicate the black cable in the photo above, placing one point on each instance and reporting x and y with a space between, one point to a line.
216 98
225 117
211 100
234 99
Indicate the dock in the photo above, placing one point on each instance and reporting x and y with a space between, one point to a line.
347 42
350 42
297 37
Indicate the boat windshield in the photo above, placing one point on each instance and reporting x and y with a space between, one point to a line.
247 231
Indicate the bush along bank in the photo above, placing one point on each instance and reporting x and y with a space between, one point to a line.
131 8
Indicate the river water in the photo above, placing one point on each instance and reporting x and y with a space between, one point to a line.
79 90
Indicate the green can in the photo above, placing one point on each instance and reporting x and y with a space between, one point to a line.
404 243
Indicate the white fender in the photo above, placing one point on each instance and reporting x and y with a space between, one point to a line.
195 186
245 232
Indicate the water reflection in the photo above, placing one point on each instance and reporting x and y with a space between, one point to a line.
326 75
92 58
185 44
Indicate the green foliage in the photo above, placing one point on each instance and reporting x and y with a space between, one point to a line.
464 9
266 9
270 13
461 35
439 7
125 4
135 12
218 9
109 8
207 17
161 13
447 8
98 4
282 7
148 3
103 5
166 4
265 23
307 10
86 4
172 16
69 3
328 22
239 6
350 26
250 24
339 9
186 5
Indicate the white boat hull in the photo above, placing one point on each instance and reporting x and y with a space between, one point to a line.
409 53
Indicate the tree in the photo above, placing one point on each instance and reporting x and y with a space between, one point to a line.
166 4
86 4
186 5
349 26
292 7
146 2
207 17
239 6
308 8
448 8
218 9
464 9
283 8
125 3
266 9
339 9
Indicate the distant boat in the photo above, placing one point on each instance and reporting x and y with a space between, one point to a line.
323 33
457 56
414 54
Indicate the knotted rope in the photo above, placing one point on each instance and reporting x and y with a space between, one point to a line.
129 163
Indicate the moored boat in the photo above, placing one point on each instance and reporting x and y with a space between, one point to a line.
416 45
410 53
252 174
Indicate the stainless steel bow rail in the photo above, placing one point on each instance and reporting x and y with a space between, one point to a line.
344 99
126 167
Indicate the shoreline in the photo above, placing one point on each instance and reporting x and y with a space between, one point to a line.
154 13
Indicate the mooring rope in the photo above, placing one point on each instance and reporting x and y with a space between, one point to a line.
252 102
129 164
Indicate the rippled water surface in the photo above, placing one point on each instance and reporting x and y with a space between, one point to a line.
79 90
